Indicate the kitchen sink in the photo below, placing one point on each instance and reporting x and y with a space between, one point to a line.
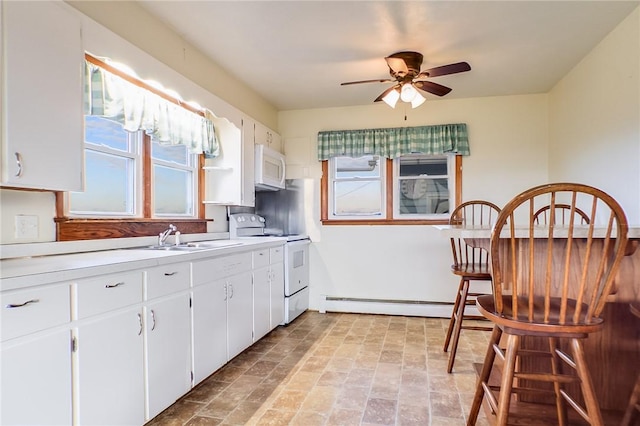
194 246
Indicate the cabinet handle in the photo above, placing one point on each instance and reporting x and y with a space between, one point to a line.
226 291
19 163
153 320
231 287
19 305
168 274
140 321
114 285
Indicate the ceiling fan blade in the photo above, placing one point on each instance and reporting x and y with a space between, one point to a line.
386 92
397 65
431 87
445 70
380 80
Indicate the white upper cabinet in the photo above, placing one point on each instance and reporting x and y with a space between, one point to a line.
42 116
266 136
229 177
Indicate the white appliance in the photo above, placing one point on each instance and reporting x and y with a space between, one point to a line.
269 169
296 260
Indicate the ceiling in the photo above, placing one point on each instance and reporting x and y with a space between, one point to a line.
296 53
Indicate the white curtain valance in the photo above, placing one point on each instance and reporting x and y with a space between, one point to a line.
136 108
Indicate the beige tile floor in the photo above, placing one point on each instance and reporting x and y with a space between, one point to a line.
340 369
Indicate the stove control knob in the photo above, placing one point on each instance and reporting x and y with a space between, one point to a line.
261 219
253 218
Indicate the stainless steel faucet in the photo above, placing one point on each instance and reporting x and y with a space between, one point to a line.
162 237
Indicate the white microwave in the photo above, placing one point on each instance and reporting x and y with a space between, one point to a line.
269 170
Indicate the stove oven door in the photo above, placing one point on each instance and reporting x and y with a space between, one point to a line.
296 266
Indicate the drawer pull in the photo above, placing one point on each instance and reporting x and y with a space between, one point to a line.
114 285
140 321
168 274
153 319
19 305
19 164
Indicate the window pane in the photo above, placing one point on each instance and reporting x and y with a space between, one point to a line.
178 154
109 180
172 191
366 167
424 196
101 131
357 198
413 166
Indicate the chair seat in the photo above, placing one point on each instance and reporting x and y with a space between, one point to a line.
473 271
552 327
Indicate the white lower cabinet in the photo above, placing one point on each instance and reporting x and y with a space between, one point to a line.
239 313
168 328
109 368
36 381
261 302
209 313
35 357
277 293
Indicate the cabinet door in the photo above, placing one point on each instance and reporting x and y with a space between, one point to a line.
209 329
110 367
277 294
239 313
261 302
36 381
42 115
168 328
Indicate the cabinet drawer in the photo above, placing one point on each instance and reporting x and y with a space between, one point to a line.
276 254
260 258
28 311
103 294
168 279
220 267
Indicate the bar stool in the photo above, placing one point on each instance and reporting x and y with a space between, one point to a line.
470 264
631 413
550 284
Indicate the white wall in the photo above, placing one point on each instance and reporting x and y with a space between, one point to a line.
508 142
595 119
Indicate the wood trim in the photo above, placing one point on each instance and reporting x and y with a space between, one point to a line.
340 222
147 190
93 229
201 187
141 83
458 167
324 192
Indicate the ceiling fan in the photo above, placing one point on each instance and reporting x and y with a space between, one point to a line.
404 67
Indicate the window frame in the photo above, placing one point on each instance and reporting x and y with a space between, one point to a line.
333 179
390 183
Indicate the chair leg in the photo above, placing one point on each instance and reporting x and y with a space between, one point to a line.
631 411
561 407
484 376
506 384
453 315
457 326
590 400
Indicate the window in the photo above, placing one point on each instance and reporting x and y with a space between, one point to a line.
410 189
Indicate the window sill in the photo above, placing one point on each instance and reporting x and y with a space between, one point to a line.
74 229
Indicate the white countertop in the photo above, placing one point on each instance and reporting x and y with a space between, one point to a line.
20 272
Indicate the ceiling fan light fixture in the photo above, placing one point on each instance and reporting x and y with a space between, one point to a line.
391 98
408 92
418 100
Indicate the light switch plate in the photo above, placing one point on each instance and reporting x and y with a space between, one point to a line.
26 226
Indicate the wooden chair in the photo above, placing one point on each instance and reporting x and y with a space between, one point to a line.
631 414
562 215
550 283
470 264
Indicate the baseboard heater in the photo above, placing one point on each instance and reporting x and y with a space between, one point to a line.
416 308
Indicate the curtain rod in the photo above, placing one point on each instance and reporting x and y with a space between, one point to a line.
140 83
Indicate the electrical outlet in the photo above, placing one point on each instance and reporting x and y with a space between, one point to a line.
26 226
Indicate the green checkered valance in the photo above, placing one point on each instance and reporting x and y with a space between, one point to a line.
394 142
136 108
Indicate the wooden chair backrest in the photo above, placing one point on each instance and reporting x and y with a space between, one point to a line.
472 214
561 212
557 274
